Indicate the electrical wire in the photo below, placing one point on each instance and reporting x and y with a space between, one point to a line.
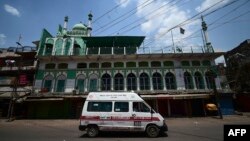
191 19
140 19
112 9
232 19
127 14
184 22
233 10
217 19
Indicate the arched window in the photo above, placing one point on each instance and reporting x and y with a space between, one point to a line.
59 43
80 85
47 82
199 80
106 82
210 79
170 81
93 81
49 47
188 81
119 82
144 82
157 81
67 46
76 49
131 82
60 84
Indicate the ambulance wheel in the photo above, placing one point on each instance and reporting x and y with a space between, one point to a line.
152 131
92 131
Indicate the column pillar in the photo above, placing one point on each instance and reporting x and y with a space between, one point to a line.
99 84
125 83
138 84
86 85
112 83
205 82
164 83
194 82
151 82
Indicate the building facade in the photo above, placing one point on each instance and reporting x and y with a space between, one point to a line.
237 72
17 70
73 63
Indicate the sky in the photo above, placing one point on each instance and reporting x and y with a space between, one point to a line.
158 20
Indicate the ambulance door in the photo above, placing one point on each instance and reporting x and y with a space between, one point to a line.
141 115
121 118
100 111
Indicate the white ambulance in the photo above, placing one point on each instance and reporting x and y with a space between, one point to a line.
119 111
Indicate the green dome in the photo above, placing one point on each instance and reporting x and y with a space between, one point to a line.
79 26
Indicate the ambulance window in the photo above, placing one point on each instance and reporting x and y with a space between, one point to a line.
121 107
99 107
140 107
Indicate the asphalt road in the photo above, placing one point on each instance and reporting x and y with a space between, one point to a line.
188 129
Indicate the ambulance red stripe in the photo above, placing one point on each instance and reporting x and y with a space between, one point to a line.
112 118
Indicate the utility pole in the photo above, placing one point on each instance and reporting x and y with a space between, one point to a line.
14 83
216 94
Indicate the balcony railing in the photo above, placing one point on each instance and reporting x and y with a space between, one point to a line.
126 51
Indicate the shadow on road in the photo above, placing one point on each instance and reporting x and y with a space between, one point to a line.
123 135
194 135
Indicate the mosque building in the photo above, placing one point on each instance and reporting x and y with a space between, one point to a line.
74 63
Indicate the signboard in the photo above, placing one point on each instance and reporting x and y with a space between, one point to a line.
23 79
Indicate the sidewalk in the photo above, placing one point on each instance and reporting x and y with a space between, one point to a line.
246 114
